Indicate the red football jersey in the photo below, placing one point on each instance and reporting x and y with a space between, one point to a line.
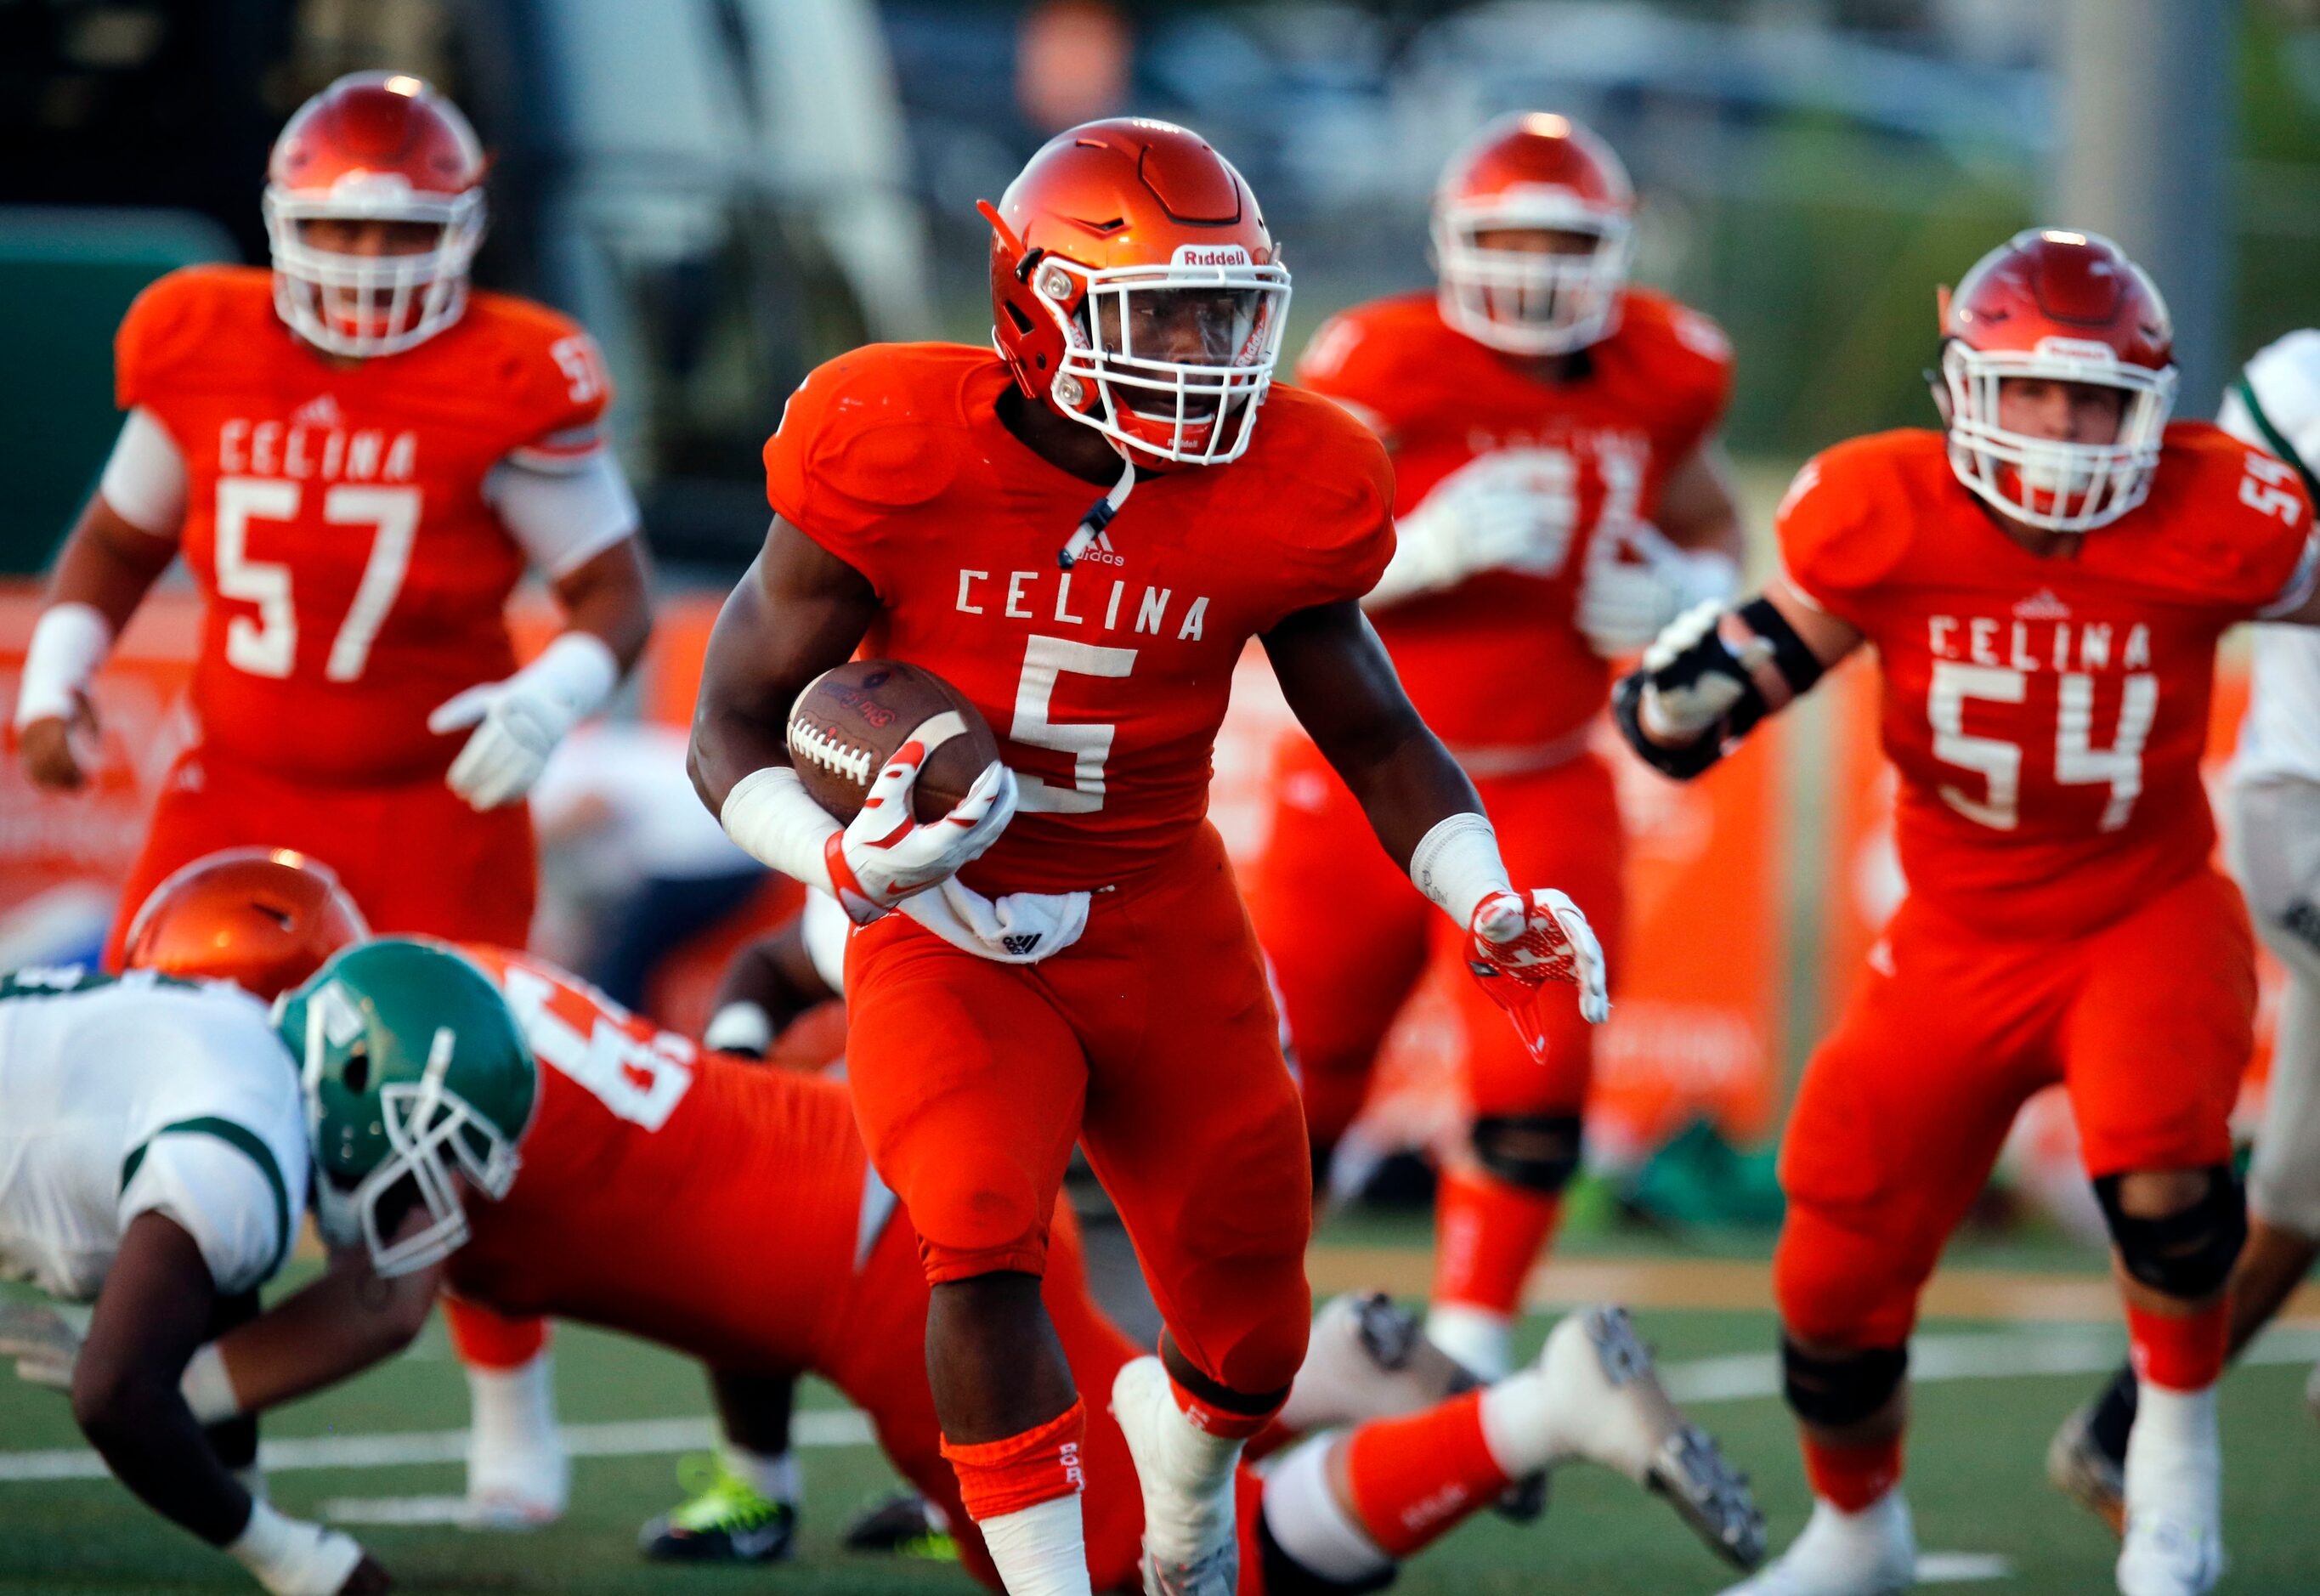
634 1124
335 518
1497 663
1105 683
2046 716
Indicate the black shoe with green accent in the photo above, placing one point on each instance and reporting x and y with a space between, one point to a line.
902 1526
724 1520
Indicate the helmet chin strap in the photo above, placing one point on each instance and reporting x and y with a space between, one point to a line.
1099 515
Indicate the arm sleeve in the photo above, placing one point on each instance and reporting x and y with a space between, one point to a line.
144 478
224 1186
565 516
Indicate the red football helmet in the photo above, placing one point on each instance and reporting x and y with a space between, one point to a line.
374 146
262 917
1533 171
2065 307
1134 288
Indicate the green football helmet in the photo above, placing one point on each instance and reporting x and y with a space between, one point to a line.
408 1052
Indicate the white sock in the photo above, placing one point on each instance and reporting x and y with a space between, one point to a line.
1311 1526
1476 1336
1517 1425
2174 1455
1200 1474
1041 1550
773 1478
515 1408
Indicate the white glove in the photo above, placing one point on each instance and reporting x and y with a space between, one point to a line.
45 1344
886 855
1499 513
290 1557
1625 603
1517 943
519 722
1684 698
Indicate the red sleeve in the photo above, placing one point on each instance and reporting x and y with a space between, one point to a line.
2241 539
1339 468
853 448
144 347
1838 537
1704 385
564 393
1356 359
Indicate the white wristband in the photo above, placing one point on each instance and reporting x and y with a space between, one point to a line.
1457 865
577 670
69 642
290 1557
206 1387
740 1027
771 817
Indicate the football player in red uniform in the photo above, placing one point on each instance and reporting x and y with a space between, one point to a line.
1558 497
357 457
1087 974
835 1288
2044 584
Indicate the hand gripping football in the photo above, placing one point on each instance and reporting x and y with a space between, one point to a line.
850 720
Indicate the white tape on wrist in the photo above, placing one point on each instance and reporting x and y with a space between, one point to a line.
69 642
206 1387
290 1557
771 817
1457 866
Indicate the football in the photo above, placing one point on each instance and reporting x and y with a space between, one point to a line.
850 720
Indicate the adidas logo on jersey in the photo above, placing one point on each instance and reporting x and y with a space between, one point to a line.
1100 552
2043 605
322 411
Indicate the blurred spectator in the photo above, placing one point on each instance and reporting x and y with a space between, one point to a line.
1072 63
631 863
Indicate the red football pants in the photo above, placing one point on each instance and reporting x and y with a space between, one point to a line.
1153 1042
1349 936
415 856
2148 1023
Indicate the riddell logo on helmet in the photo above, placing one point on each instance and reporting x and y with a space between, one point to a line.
1209 254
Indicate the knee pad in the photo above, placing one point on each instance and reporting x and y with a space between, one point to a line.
2186 1254
1837 1392
1537 1152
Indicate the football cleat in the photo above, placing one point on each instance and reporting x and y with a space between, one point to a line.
1368 1359
514 1487
2078 1467
903 1525
726 1520
1871 1553
2165 1555
1608 1405
1180 1511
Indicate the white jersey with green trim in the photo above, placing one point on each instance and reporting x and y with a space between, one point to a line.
141 1095
2275 405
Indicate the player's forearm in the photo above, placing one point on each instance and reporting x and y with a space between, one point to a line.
331 1331
610 597
149 1438
108 565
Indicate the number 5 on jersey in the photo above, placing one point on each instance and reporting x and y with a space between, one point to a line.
1088 742
2077 761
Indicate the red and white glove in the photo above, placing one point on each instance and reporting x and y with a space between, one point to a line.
1516 944
886 854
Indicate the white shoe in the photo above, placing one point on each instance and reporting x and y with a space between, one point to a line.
1871 1553
1191 1548
2167 1555
516 1487
1604 1402
1366 1359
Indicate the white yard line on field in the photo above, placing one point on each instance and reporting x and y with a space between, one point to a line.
1933 1359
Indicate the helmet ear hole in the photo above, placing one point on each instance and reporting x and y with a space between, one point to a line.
356 1074
1015 314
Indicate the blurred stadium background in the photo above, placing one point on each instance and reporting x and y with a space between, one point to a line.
728 192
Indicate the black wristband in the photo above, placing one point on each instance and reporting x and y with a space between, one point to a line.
1680 762
1799 665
